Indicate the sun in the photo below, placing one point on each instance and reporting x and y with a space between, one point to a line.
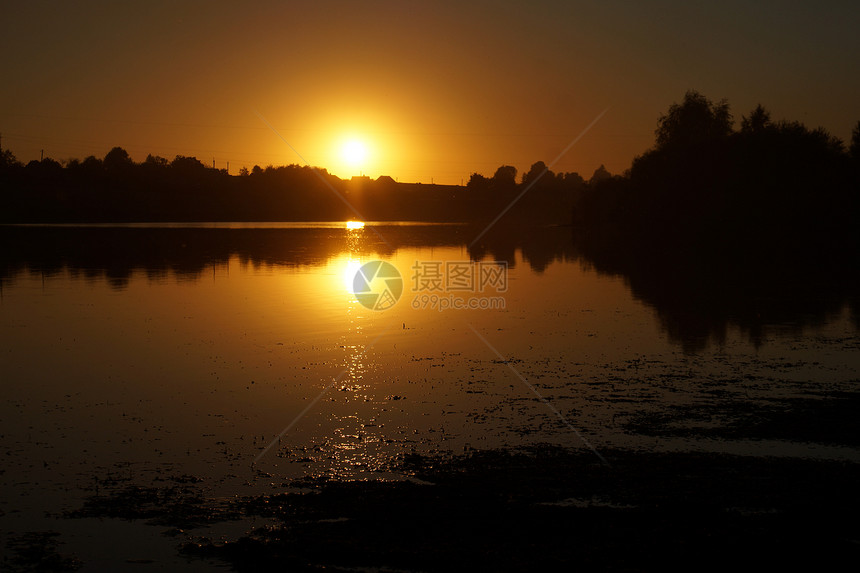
354 152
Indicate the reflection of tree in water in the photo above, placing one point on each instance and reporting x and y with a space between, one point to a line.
538 246
115 253
716 227
697 296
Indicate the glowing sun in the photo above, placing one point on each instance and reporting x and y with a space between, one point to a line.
354 152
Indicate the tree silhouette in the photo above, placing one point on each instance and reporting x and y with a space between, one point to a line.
505 176
117 160
477 182
770 187
600 174
693 122
537 170
8 160
758 121
572 180
854 148
45 167
188 166
156 161
92 164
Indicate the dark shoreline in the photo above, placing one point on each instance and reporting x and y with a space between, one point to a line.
536 509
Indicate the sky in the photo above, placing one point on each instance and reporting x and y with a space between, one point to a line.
428 91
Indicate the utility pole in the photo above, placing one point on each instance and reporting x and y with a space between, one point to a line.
41 155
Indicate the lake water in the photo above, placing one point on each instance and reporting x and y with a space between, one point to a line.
240 355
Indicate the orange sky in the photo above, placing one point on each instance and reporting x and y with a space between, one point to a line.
435 91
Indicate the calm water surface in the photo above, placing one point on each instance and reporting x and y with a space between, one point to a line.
240 356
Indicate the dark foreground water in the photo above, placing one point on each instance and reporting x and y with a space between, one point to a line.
238 358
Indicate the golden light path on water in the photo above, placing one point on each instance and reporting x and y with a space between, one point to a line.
351 445
351 422
355 447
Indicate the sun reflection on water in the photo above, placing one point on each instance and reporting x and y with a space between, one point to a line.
347 434
352 441
350 267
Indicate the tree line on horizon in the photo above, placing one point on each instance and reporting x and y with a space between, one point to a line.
116 188
766 189
539 176
702 179
118 162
